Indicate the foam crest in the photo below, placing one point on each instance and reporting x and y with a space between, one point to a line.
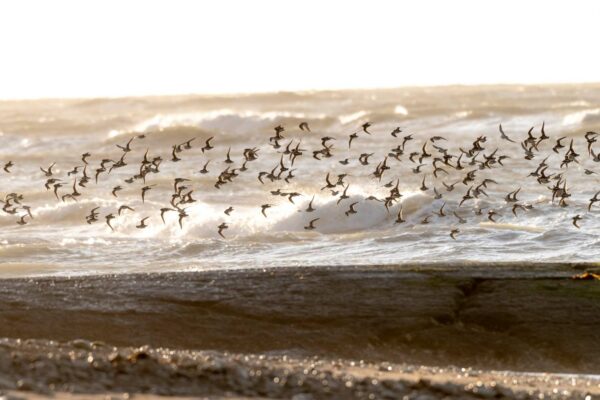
221 121
589 116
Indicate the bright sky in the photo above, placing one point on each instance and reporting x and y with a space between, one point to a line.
116 48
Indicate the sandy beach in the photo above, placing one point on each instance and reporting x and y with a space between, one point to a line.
388 331
82 369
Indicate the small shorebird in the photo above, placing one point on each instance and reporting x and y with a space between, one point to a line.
7 166
144 190
351 209
204 170
142 223
311 224
310 205
48 172
84 157
304 126
109 218
163 211
264 207
221 228
503 135
207 145
399 217
123 208
454 232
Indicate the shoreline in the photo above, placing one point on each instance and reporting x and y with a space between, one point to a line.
483 317
459 268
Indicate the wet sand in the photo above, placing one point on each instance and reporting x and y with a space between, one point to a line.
489 317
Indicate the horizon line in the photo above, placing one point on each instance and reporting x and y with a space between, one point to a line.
227 94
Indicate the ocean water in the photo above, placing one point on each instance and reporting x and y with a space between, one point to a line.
58 240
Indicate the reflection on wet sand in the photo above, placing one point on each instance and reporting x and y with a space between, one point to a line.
491 316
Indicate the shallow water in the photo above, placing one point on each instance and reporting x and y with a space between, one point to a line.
59 241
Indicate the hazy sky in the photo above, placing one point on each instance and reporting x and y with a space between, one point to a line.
116 48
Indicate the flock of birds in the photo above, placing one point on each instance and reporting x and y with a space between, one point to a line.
429 159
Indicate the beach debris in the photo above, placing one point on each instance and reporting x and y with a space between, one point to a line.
586 276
